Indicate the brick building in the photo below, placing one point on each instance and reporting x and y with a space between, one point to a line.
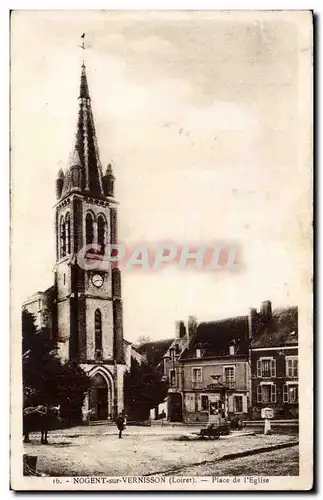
274 361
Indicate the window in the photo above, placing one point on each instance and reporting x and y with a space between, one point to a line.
266 367
291 366
101 233
196 377
229 376
232 347
237 404
172 378
204 403
290 394
68 233
62 244
98 332
266 393
89 229
197 374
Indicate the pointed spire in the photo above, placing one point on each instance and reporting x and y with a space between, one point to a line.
75 159
109 170
85 153
84 88
59 183
88 177
86 142
108 181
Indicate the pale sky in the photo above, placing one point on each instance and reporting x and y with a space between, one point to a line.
205 119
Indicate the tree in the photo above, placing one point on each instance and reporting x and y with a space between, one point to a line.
144 389
46 380
142 339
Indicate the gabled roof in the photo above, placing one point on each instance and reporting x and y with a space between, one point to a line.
214 338
178 344
281 330
154 351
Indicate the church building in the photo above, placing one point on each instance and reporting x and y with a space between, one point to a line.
83 309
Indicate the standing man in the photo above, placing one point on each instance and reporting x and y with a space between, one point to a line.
121 423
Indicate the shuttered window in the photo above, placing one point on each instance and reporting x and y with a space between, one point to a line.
292 366
266 393
204 403
259 394
290 393
273 393
266 368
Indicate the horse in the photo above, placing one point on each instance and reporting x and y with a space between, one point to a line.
87 414
40 418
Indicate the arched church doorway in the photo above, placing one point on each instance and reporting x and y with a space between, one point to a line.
100 395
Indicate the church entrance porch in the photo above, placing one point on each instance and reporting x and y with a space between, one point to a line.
100 397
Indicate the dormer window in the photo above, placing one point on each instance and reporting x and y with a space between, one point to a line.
198 352
172 378
232 348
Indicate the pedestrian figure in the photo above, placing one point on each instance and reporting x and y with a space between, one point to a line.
121 423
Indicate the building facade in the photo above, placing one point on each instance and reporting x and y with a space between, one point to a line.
40 305
173 369
274 361
84 313
211 366
241 364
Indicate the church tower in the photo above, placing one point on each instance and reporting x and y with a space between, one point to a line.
89 319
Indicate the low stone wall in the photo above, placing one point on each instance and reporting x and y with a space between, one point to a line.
277 426
195 417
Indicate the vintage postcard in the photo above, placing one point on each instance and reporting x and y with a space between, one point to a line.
161 250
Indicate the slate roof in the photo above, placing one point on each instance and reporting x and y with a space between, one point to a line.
85 152
281 330
154 351
214 338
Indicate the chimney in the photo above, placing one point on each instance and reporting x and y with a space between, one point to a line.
252 318
177 329
182 330
191 328
265 311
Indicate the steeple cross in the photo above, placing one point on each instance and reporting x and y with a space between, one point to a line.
83 40
83 47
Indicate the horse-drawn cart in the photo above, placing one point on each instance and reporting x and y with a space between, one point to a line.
214 431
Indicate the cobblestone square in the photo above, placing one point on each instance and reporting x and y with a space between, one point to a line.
96 450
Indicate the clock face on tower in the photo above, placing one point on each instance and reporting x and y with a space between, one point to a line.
97 280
